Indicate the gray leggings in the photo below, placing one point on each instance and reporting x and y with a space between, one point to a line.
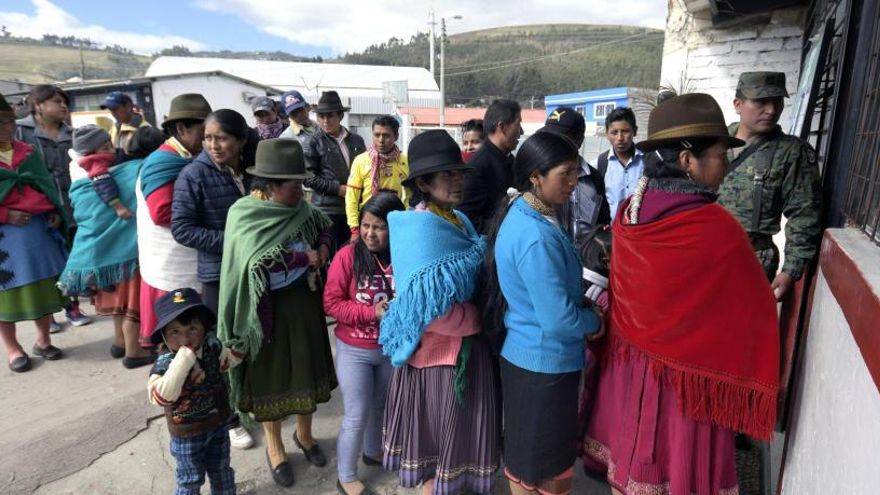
363 378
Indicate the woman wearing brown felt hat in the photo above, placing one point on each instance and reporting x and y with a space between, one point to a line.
692 347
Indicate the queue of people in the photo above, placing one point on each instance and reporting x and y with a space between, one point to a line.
494 312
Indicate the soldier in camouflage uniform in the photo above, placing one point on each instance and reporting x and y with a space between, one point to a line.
772 175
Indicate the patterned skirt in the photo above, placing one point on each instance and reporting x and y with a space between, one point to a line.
293 372
428 434
30 302
638 433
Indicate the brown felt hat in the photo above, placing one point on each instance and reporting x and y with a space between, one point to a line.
689 116
280 158
188 106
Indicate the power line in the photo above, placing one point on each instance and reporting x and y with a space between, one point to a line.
542 57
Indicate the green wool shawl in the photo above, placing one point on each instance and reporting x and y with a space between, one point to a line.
258 234
32 172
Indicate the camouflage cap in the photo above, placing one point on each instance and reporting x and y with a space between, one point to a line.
756 85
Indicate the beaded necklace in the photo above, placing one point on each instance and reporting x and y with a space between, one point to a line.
538 205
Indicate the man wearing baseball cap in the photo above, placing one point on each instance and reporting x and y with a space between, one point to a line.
269 124
127 119
773 175
297 109
587 206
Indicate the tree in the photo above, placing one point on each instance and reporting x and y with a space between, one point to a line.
176 51
6 33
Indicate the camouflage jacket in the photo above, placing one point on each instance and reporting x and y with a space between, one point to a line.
791 187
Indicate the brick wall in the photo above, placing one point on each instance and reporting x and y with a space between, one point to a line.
700 57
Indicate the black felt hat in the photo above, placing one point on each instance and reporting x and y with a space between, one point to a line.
433 151
330 102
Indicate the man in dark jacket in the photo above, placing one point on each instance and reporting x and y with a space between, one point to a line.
587 206
493 163
328 154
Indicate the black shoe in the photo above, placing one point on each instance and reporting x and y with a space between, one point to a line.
314 454
369 461
117 352
366 491
50 353
20 364
137 362
282 473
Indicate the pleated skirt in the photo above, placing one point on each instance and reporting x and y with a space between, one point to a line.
428 434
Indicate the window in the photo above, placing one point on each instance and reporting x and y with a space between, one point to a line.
581 109
601 110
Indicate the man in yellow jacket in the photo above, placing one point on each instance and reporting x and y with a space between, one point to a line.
127 119
382 167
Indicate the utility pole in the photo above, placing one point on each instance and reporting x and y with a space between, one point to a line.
442 72
443 69
82 63
432 23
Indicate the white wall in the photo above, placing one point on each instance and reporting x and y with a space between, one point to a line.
698 57
833 447
221 92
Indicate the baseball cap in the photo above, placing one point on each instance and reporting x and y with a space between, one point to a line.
263 104
293 100
565 120
115 99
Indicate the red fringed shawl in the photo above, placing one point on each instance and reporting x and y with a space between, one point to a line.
689 294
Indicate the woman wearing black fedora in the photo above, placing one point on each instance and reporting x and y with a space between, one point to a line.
270 310
441 423
328 154
693 348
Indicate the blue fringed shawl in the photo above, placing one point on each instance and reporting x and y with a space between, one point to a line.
105 250
435 265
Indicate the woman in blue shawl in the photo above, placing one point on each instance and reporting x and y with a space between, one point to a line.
104 258
441 424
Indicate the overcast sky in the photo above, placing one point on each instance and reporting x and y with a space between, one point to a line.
302 27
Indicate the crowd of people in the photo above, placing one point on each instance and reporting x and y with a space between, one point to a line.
499 304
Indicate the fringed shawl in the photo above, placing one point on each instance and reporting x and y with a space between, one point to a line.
105 249
258 233
435 265
688 293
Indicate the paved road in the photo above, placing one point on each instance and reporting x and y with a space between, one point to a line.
82 425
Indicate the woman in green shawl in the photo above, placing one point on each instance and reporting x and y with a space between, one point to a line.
271 313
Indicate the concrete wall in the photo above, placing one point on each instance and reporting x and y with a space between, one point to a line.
221 92
700 57
832 444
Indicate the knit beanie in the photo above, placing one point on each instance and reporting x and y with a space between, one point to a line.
88 138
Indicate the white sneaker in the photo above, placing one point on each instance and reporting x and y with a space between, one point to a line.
240 438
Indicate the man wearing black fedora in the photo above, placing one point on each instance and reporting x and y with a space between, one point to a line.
328 154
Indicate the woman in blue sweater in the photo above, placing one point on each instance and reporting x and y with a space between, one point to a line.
535 282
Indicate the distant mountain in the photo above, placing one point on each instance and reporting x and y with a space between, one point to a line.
527 62
524 62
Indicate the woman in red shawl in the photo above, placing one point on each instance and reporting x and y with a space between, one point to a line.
692 354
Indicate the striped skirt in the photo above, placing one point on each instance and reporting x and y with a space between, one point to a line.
429 435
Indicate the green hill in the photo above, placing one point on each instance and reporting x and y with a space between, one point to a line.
527 62
523 62
41 63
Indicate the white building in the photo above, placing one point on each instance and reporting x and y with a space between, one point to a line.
359 86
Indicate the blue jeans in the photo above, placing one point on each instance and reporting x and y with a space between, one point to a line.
200 454
363 378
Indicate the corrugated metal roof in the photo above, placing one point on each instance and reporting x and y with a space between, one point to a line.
308 78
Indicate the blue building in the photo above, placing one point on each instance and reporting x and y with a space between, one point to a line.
594 105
